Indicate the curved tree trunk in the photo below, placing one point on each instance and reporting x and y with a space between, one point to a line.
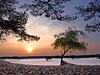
62 56
61 62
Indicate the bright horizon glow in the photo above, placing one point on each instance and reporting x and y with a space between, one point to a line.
45 28
29 49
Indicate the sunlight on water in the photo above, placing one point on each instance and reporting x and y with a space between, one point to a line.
79 61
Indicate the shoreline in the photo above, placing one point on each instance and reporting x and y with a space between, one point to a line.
7 68
50 57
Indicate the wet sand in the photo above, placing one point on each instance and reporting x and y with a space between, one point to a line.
7 68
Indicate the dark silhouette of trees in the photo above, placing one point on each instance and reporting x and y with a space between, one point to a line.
68 41
54 9
13 22
50 8
91 13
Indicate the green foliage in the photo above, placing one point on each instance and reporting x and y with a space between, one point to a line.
68 41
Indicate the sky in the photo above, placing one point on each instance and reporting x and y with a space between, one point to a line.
46 28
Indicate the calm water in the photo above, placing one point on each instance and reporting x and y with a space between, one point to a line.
78 61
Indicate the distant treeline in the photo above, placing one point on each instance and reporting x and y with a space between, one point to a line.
50 57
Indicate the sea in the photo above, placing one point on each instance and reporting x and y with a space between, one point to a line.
55 61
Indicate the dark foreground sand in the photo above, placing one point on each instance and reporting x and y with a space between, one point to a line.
7 68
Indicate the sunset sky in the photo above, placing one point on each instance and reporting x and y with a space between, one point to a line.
46 28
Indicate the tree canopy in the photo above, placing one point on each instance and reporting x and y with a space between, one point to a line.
53 9
91 13
14 22
69 41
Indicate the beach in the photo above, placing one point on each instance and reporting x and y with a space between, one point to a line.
7 68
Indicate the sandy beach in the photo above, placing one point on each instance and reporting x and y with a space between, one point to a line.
7 68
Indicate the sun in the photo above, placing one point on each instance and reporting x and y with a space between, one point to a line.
29 49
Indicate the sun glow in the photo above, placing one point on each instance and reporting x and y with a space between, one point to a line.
29 49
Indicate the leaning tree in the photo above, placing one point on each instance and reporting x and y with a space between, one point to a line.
69 41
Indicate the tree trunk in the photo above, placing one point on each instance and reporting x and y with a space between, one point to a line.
61 62
62 56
